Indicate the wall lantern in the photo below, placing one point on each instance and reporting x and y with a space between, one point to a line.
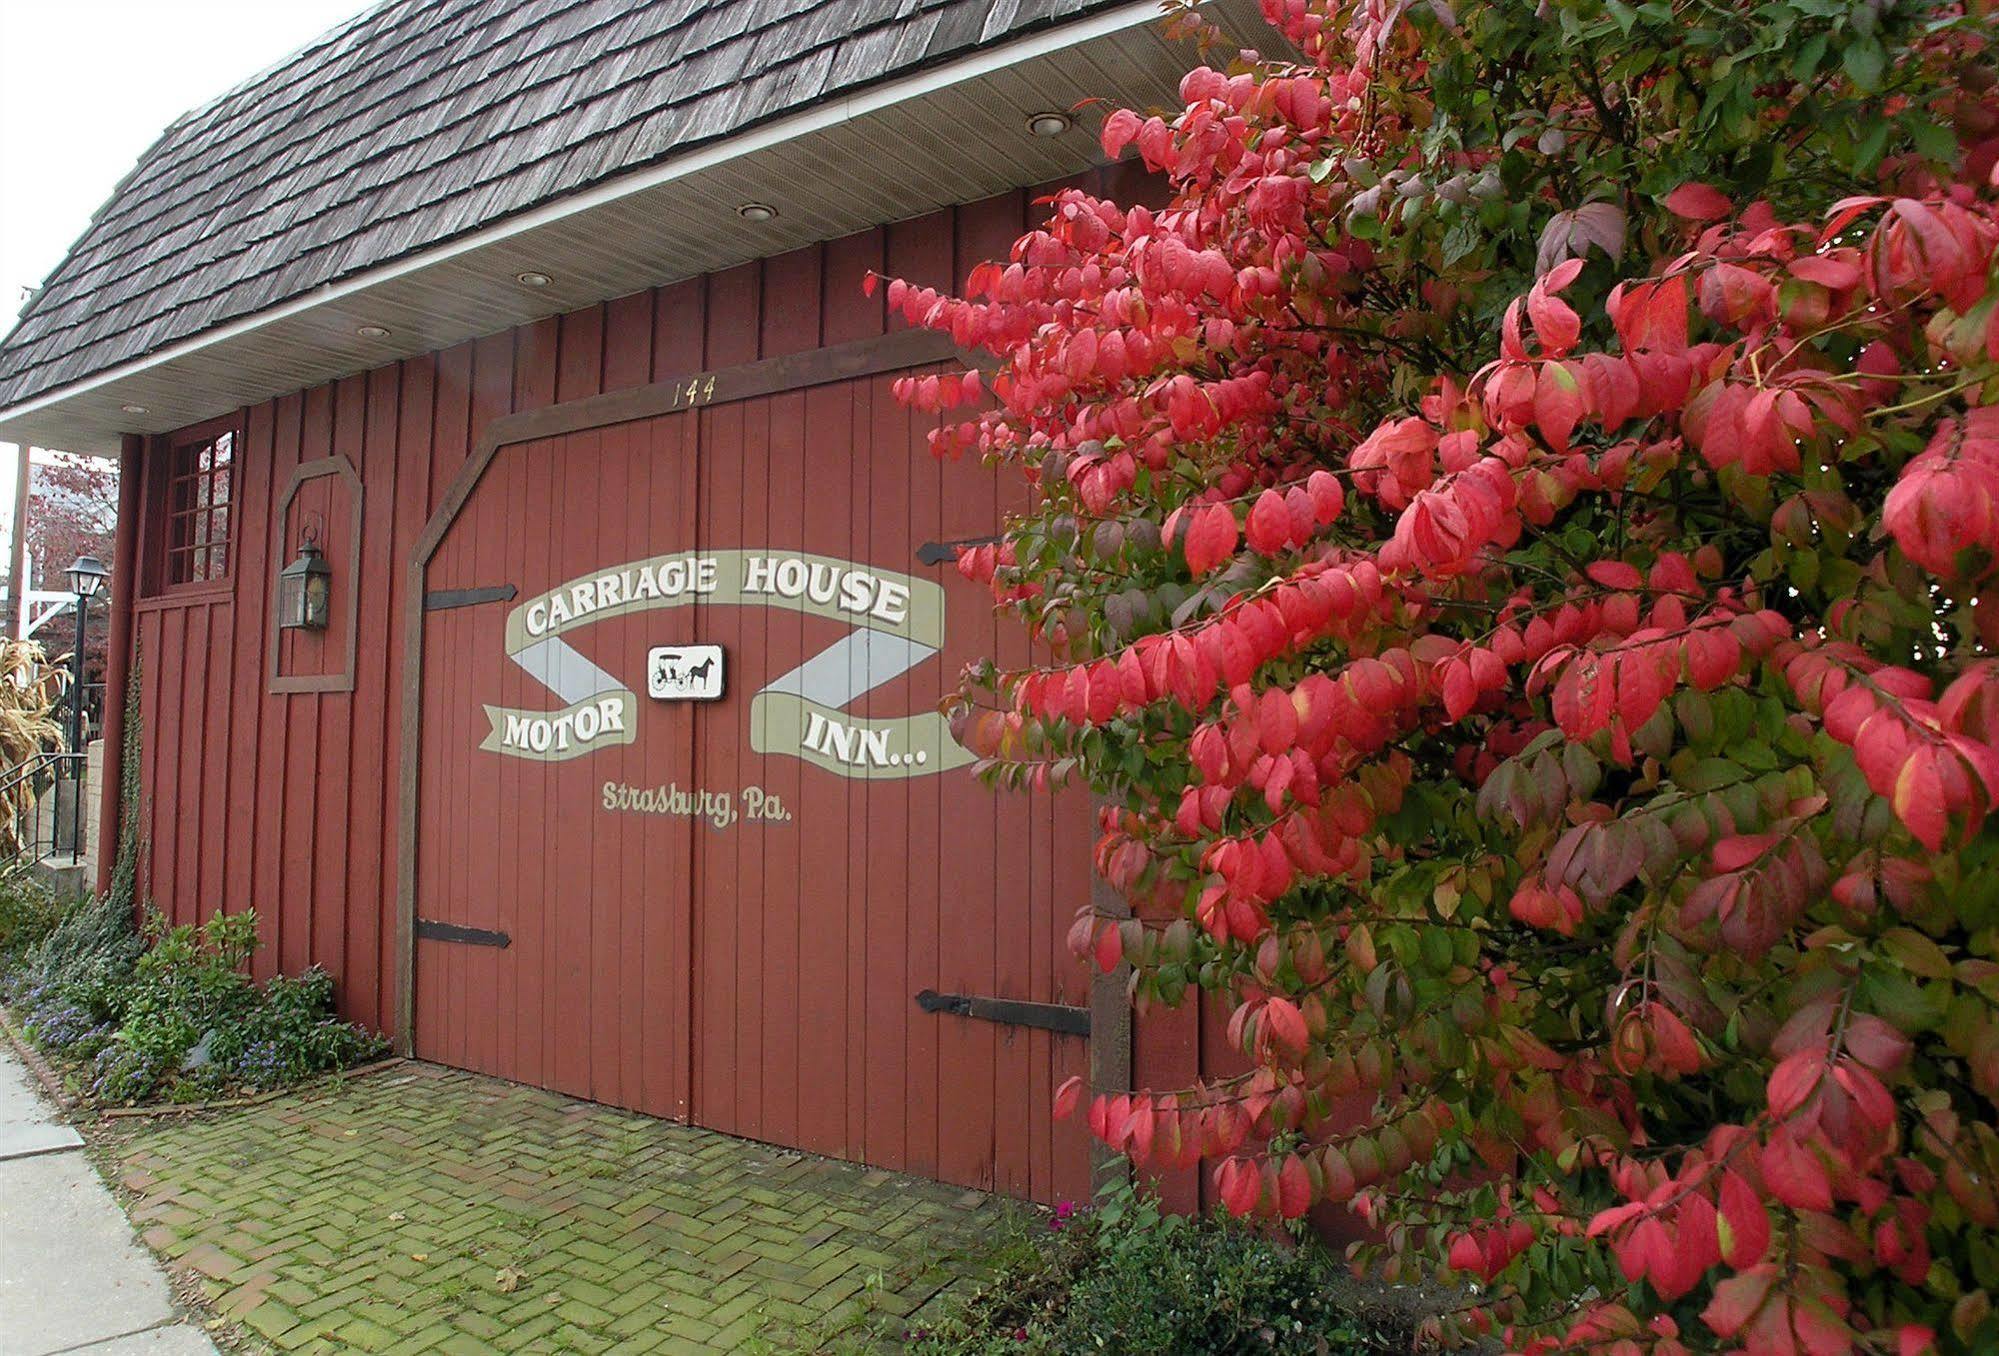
304 588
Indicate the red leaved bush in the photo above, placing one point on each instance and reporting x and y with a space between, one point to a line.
1515 544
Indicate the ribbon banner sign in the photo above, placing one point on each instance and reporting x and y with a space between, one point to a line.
898 621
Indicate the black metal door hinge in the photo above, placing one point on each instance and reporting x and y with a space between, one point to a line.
432 930
1009 1011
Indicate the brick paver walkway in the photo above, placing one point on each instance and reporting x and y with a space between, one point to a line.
424 1209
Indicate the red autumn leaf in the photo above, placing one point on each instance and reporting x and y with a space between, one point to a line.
1109 949
1713 656
1738 1299
1794 1080
1119 130
1918 797
1743 1222
1876 1044
1698 202
1240 1184
1460 691
1615 574
1211 538
1285 1025
1732 295
1294 1187
1328 496
1067 1096
1558 404
1269 527
1556 324
1651 314
1794 1174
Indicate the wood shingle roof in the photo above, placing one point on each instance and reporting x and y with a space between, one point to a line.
422 120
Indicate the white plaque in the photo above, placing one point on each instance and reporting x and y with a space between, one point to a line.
684 673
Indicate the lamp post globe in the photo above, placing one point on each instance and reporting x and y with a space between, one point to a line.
86 576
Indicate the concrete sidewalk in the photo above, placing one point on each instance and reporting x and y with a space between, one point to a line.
72 1277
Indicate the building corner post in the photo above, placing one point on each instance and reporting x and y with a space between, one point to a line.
124 588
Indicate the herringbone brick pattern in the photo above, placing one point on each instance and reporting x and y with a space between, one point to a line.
425 1209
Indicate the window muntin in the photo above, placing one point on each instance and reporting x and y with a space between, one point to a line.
199 487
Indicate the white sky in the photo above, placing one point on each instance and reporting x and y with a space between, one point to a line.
85 87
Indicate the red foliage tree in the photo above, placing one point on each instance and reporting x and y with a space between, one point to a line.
1514 549
72 507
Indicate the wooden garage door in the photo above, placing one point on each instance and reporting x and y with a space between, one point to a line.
724 910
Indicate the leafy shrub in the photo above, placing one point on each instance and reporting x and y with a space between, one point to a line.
290 1036
1128 1280
1515 542
89 953
29 911
180 1019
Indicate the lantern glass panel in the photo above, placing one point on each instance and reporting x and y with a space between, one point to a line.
316 598
304 591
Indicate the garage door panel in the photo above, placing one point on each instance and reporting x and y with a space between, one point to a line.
517 848
726 1034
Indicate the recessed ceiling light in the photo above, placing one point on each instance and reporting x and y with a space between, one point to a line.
371 331
757 211
533 279
1049 124
133 409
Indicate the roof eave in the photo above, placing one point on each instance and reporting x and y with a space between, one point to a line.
952 133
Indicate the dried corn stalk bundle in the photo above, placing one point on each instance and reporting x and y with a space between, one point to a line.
31 689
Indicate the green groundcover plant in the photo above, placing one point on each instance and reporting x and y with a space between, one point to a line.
1124 1279
1515 546
171 1014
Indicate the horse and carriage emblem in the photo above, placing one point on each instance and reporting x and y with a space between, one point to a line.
685 672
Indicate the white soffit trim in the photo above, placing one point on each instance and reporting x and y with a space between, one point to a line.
791 127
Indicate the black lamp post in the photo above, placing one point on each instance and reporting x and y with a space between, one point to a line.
86 579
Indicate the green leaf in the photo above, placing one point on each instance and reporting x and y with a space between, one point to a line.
1865 62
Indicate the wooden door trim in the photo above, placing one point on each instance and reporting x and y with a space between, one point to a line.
769 376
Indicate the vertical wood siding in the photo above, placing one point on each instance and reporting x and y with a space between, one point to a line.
286 803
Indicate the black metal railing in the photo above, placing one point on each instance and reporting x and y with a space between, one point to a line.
45 801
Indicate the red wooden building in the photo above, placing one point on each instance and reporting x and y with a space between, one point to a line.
615 766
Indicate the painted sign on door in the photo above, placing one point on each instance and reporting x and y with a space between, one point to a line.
898 623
